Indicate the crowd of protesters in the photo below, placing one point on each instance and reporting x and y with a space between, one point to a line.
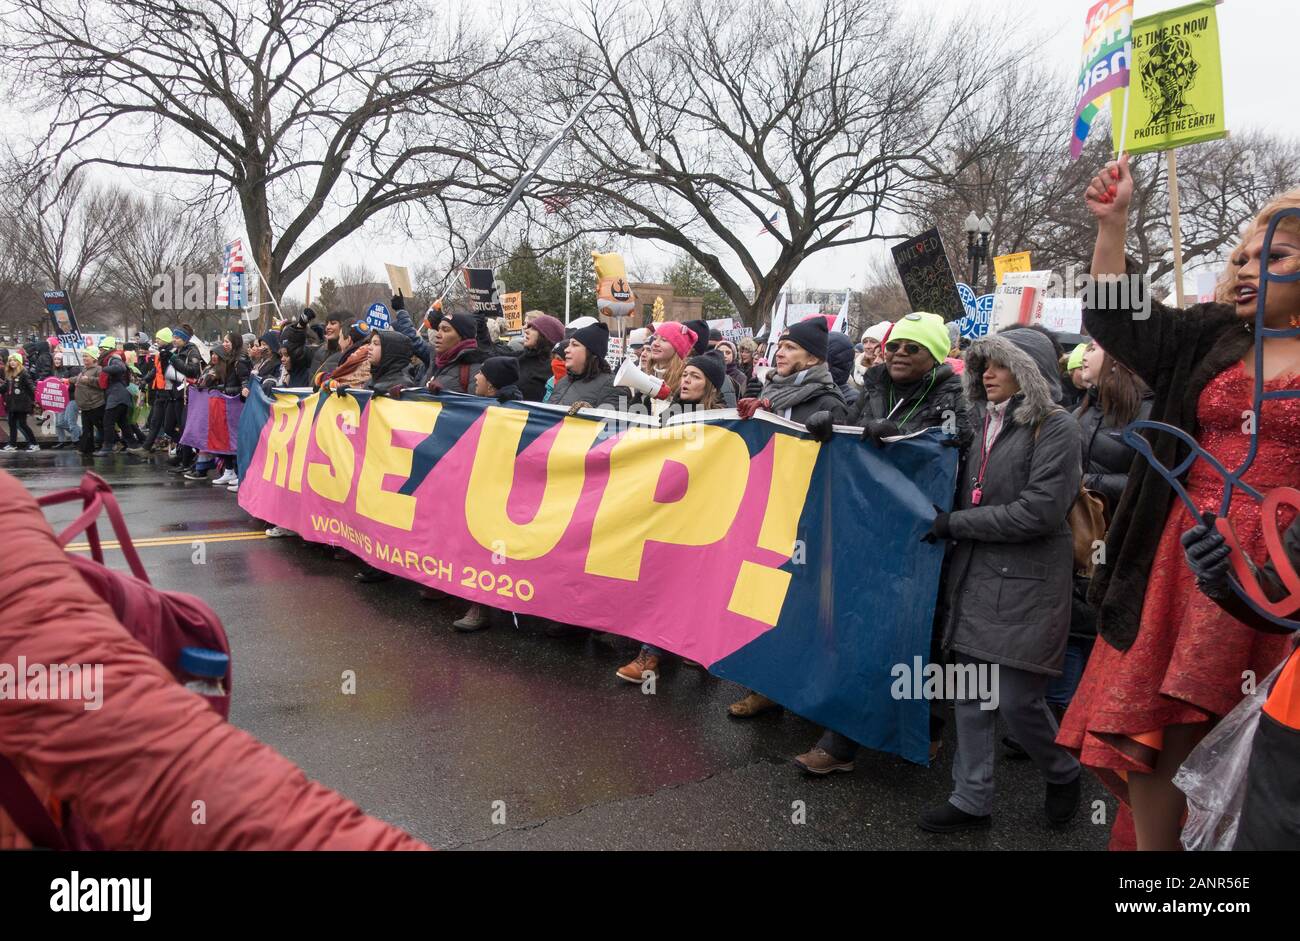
1119 668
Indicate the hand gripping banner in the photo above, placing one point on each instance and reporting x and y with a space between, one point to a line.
792 567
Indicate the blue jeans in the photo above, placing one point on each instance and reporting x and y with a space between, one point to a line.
1061 688
66 426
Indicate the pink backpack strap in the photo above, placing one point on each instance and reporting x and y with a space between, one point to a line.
96 495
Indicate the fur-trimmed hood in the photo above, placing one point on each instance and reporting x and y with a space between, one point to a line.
1032 360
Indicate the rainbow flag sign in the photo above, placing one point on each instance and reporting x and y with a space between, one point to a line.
1107 53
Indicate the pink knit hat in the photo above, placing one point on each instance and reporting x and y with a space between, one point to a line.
681 339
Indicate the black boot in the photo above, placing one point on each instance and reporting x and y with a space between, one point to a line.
369 575
1062 802
950 819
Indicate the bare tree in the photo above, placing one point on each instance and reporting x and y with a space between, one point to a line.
358 288
313 115
721 117
62 234
1032 193
159 246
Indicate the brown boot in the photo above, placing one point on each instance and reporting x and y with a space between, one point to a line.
752 705
818 760
635 672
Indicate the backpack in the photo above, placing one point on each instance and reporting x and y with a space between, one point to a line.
164 622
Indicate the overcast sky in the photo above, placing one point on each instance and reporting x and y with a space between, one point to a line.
1258 44
1257 37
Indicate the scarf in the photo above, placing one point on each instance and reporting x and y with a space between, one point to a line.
443 359
785 392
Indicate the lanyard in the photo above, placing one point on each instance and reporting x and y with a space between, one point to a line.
986 448
934 374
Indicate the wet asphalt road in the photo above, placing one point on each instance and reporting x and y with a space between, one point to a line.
444 725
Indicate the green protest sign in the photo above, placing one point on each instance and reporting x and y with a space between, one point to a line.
1175 96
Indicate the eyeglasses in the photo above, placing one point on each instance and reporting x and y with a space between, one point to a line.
911 349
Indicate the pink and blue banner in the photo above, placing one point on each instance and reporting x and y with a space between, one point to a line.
212 421
787 565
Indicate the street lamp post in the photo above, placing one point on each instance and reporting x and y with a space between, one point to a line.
977 245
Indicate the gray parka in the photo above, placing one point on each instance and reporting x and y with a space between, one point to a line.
1012 562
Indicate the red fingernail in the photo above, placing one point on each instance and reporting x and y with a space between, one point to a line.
1114 173
1112 190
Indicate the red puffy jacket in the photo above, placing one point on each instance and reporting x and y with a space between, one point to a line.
133 768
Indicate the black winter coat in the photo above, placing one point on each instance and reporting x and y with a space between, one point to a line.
1106 458
534 371
924 405
20 392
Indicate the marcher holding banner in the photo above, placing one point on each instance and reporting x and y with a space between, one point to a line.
587 382
541 335
1169 662
457 354
800 388
911 390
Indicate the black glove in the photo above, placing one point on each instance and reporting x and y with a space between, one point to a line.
939 528
305 317
397 302
1207 556
877 428
820 426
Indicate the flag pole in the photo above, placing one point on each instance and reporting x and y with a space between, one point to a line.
1175 227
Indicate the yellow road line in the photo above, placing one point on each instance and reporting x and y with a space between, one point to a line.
186 540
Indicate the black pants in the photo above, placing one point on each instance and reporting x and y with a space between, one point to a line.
115 418
164 418
92 419
18 423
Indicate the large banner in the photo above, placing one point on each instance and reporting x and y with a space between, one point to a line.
792 567
212 421
1176 97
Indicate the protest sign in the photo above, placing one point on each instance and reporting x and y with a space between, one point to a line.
927 277
52 394
378 316
744 545
1177 92
1019 299
1004 263
62 319
399 279
513 306
483 300
1062 314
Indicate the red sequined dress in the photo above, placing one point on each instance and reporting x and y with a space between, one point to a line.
1188 660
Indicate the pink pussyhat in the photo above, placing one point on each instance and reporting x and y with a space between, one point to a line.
681 339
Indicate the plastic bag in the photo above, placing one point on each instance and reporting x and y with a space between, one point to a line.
1214 775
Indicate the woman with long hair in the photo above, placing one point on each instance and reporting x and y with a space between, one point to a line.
701 378
1169 662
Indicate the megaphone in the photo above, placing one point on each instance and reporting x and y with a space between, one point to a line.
631 377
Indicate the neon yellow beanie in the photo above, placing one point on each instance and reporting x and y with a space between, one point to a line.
929 330
1076 357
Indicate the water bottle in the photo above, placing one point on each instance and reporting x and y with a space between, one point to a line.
205 669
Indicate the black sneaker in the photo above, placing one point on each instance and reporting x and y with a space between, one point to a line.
950 819
1062 802
369 575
